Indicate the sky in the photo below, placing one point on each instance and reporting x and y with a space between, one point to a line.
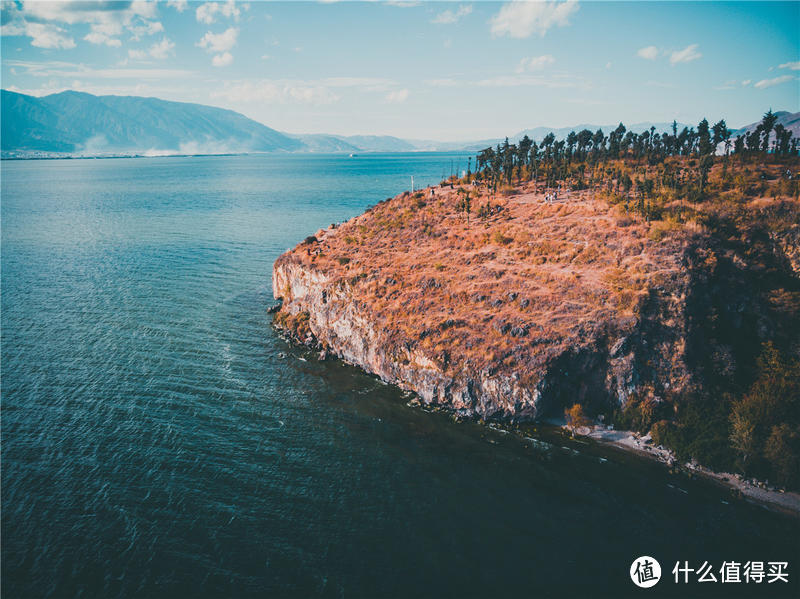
418 70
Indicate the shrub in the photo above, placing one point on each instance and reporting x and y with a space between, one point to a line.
576 418
661 228
500 238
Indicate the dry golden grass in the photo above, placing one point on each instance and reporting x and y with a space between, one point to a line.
520 285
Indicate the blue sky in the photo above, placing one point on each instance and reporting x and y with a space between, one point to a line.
430 70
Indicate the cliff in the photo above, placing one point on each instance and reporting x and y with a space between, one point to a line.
526 308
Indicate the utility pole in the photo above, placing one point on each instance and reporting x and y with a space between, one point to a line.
412 183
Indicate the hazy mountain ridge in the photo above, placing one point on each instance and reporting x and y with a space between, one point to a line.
322 142
790 121
79 124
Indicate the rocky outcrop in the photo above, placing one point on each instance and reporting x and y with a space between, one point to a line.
598 363
345 327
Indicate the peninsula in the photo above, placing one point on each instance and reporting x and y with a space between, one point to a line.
653 279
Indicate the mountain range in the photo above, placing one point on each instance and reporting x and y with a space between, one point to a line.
74 123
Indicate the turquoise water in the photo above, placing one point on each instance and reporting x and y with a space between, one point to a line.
160 440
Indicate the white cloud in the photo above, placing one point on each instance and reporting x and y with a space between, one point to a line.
148 28
648 53
220 44
397 96
107 27
746 82
688 54
765 83
95 37
160 50
526 81
452 16
69 70
207 13
43 35
222 60
216 43
793 66
521 19
276 92
179 5
313 92
47 36
535 63
107 21
77 11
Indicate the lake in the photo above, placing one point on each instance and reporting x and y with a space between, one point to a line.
159 439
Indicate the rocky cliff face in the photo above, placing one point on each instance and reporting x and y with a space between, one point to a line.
344 326
464 337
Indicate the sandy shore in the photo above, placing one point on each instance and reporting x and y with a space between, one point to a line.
786 502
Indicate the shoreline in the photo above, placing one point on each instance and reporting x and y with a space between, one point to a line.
750 490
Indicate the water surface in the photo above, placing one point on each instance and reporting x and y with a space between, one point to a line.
160 440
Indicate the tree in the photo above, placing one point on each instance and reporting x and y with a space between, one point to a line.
742 437
584 139
598 141
534 162
576 418
703 138
523 149
772 400
782 450
767 123
572 139
783 138
721 134
615 140
738 145
754 138
705 167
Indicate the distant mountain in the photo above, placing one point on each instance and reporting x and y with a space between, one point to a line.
355 143
80 123
790 120
76 123
320 142
381 143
